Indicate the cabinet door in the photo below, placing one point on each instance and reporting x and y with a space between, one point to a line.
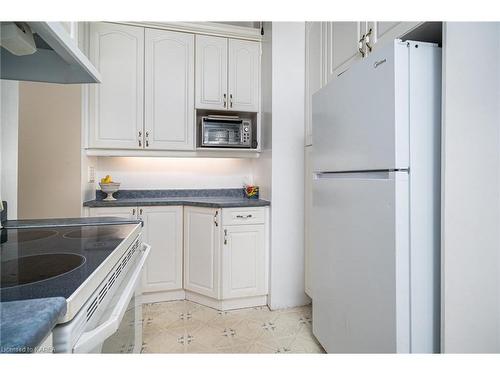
244 261
116 104
163 231
211 72
314 66
383 32
124 212
342 43
308 172
244 75
202 251
169 90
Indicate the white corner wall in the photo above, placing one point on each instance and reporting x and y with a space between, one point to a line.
9 110
287 222
262 166
471 188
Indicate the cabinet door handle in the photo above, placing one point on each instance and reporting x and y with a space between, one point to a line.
225 101
140 138
367 40
140 211
215 218
244 216
231 100
225 236
133 211
140 143
147 143
360 45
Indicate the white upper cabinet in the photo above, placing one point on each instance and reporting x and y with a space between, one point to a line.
244 75
244 261
163 231
227 74
169 90
211 72
202 251
116 104
342 46
382 32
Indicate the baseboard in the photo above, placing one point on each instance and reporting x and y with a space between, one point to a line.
229 304
171 295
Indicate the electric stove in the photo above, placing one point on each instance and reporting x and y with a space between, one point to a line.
67 262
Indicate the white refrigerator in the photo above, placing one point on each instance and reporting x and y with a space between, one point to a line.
376 204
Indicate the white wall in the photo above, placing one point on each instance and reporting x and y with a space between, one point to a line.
287 243
9 110
471 188
262 167
175 173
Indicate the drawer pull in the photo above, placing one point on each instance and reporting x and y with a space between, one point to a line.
244 216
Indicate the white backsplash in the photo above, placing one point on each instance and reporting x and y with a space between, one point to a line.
175 173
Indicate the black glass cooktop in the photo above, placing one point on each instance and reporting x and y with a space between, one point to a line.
54 262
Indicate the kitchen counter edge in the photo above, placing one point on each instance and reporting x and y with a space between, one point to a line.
184 202
26 323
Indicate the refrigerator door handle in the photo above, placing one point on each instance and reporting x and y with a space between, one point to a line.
372 175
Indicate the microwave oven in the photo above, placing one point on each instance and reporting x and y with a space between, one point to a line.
226 131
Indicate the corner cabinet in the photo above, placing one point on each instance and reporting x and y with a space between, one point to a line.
201 250
227 74
116 104
226 256
163 231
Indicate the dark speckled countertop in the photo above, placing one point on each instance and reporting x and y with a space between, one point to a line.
217 198
25 324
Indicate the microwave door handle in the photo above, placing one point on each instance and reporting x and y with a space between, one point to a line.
93 338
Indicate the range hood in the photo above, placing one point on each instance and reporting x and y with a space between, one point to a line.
43 52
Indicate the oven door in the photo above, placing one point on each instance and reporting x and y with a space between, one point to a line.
119 329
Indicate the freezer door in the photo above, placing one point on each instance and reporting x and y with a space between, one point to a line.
360 119
360 267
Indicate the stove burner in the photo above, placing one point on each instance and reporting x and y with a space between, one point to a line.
33 268
97 232
26 235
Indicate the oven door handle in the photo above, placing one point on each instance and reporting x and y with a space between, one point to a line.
93 338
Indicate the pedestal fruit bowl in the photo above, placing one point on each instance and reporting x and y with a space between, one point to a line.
109 187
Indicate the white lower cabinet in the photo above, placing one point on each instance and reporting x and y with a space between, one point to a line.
163 231
308 177
217 257
226 256
123 212
244 261
201 250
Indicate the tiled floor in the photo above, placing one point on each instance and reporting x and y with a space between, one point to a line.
187 327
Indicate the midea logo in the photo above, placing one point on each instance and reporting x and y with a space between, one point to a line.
377 63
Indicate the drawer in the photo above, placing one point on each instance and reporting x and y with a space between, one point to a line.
242 215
